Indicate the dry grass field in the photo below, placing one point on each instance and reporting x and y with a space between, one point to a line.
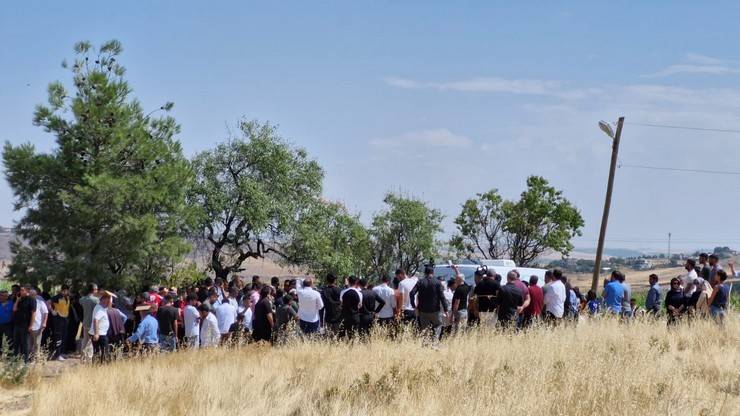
598 367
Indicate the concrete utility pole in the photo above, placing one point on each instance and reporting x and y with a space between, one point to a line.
669 246
607 204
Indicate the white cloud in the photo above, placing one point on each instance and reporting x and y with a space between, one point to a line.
423 138
693 63
498 85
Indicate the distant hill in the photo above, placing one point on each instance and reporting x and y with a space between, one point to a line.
613 252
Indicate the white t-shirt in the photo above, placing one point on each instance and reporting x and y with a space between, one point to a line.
191 317
405 288
359 293
247 316
100 318
41 310
688 279
555 298
225 316
389 296
209 333
309 305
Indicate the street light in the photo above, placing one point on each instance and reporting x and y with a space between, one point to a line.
606 128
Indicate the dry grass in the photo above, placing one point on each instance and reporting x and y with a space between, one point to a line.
600 367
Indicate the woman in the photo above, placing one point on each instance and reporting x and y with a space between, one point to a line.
674 302
700 298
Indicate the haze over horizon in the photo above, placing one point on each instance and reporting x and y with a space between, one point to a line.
435 100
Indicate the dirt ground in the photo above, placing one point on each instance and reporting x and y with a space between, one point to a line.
16 401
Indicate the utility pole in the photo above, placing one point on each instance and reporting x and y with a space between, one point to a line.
669 246
607 203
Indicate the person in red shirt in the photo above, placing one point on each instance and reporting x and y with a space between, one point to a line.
536 303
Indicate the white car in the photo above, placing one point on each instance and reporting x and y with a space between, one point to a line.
504 267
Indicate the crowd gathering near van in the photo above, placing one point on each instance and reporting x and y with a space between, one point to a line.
98 325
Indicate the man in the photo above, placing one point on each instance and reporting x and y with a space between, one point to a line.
147 332
431 300
24 314
351 298
60 304
486 294
510 300
191 321
6 320
225 316
371 305
99 325
167 323
554 294
332 305
309 306
263 320
405 286
39 324
714 267
614 293
524 291
88 303
652 301
284 315
689 277
626 308
210 335
703 269
533 311
460 301
385 293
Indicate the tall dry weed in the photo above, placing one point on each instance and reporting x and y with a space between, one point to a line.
598 367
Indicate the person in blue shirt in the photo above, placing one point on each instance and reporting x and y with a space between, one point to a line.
652 301
593 305
146 333
614 293
6 320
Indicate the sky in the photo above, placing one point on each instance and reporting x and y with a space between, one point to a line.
438 100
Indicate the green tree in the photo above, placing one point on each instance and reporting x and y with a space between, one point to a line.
541 220
107 204
481 227
403 235
249 192
328 239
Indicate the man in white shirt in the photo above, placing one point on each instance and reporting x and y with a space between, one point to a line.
554 297
689 277
191 319
405 287
225 316
39 324
309 305
99 328
210 335
386 314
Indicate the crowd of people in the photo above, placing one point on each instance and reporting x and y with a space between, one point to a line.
217 312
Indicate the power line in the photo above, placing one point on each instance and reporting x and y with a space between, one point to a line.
713 172
668 126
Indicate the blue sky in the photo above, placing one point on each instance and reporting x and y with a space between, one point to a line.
435 99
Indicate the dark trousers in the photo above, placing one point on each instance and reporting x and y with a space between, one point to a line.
6 337
409 317
350 325
101 349
59 335
21 342
366 323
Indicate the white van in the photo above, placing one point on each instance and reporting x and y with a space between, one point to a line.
468 270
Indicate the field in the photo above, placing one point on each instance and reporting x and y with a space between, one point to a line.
599 367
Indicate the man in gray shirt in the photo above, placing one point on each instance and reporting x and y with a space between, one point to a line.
88 303
652 301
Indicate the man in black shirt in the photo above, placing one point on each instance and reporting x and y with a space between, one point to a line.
486 293
332 305
167 316
509 299
24 312
351 299
431 301
263 320
460 302
371 305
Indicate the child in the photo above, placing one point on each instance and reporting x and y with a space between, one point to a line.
592 303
